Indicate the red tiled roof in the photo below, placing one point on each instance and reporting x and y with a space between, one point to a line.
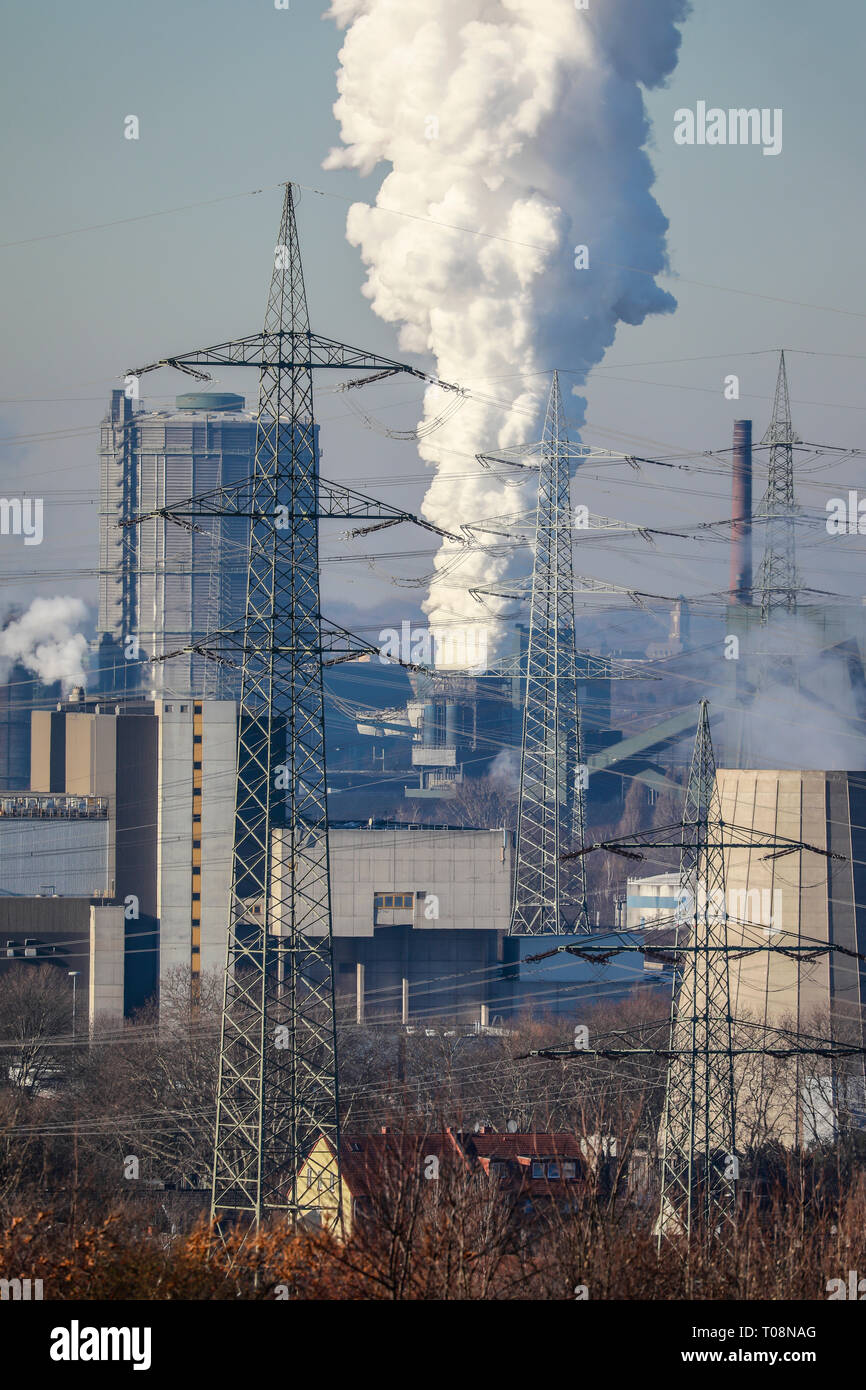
363 1157
514 1146
376 1151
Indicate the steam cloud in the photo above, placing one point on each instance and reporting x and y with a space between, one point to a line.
524 120
815 722
45 641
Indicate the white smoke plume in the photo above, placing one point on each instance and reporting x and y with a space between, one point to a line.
815 721
525 121
45 641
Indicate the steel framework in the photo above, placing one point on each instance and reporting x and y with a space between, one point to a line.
699 1163
778 579
277 1087
698 1130
550 894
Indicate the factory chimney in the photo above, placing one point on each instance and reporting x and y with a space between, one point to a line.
741 525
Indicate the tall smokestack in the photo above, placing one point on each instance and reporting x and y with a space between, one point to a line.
741 525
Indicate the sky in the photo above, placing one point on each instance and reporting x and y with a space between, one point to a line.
233 97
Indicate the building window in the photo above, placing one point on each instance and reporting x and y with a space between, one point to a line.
394 900
184 708
553 1170
196 738
569 1170
538 1170
196 767
196 844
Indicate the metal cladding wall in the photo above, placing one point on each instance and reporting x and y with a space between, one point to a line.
162 583
69 858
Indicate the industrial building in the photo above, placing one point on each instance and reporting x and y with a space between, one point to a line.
798 899
162 586
20 693
804 897
158 777
56 845
419 916
81 939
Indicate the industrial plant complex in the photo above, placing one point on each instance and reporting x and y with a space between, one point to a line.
449 883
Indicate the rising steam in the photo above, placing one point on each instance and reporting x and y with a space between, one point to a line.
45 641
523 120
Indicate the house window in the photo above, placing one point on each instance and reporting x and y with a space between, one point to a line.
355 1146
538 1170
553 1170
569 1170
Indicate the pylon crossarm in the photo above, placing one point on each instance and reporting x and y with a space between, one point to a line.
562 1054
335 644
286 349
520 526
600 955
588 666
732 837
518 456
336 502
522 588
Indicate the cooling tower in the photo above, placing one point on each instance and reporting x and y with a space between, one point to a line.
797 899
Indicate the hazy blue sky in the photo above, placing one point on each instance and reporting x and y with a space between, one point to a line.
237 96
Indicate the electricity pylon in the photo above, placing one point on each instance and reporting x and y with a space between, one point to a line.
550 895
277 1086
699 1163
777 578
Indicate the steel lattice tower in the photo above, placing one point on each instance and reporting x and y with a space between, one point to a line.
777 579
699 1165
549 895
277 1085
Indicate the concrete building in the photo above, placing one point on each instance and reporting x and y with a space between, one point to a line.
71 935
419 916
800 897
651 901
163 774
